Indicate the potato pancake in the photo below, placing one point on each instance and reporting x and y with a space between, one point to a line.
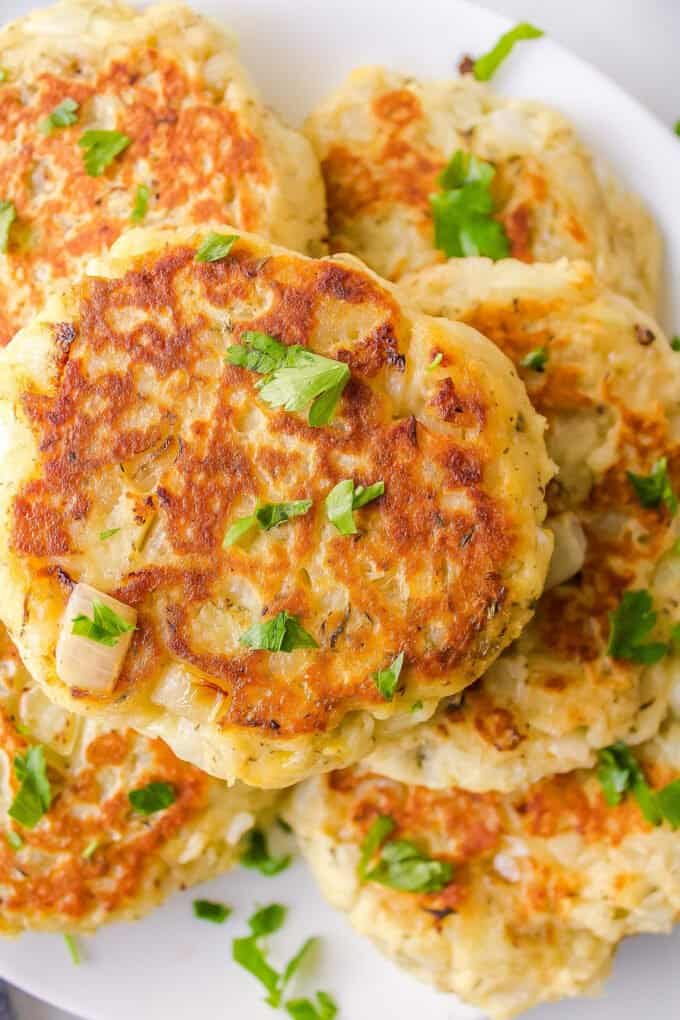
110 117
608 383
383 140
507 900
92 857
313 507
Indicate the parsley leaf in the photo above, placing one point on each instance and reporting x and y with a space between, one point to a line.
267 920
106 627
381 828
463 210
207 910
34 795
303 1009
147 800
141 206
675 343
8 214
632 621
109 533
294 376
247 952
291 969
619 773
4 74
61 116
437 360
73 948
400 865
655 488
216 247
386 680
90 850
487 65
344 498
677 128
257 856
283 633
535 359
100 148
14 839
268 516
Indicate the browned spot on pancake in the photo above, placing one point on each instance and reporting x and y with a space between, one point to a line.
454 405
517 223
399 107
463 467
497 727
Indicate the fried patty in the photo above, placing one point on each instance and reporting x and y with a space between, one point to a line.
92 859
610 391
122 411
200 142
545 881
383 139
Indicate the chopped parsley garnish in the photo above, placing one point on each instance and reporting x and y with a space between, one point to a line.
141 206
8 214
487 65
34 795
344 498
106 627
257 856
14 839
655 488
4 74
207 910
90 850
463 210
400 864
630 624
109 533
675 343
283 633
61 116
535 359
73 948
100 148
147 800
677 128
304 1009
283 824
619 773
437 360
416 706
295 377
267 516
386 680
216 247
249 954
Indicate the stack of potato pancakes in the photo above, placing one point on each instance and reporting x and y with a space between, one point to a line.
383 544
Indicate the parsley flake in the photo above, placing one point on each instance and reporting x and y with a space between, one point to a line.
630 624
14 839
216 247
61 116
619 773
207 910
141 206
295 377
463 210
655 488
73 949
100 148
535 359
677 128
90 850
487 65
675 343
386 680
34 795
400 865
324 1008
257 856
344 498
4 75
437 360
153 797
8 214
268 516
109 533
283 633
106 627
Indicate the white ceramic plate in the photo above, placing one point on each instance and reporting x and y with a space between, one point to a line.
169 966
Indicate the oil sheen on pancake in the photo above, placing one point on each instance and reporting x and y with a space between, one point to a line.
202 147
133 446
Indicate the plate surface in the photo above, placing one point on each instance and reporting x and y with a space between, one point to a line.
170 966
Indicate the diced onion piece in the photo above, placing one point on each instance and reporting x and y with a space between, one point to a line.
82 662
570 549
